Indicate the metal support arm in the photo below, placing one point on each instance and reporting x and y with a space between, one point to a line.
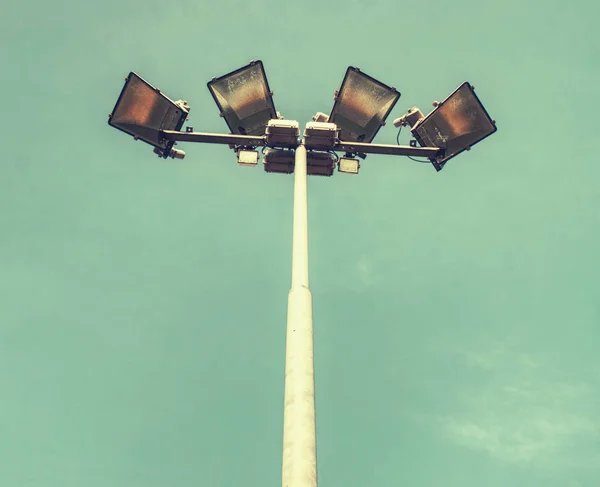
341 146
392 150
226 139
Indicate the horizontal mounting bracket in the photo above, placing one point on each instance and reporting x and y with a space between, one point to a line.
207 138
388 149
341 146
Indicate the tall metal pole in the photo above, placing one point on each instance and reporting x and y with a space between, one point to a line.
299 432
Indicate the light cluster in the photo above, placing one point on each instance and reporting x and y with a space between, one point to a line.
361 107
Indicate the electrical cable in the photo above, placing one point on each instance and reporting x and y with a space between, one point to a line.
417 160
427 161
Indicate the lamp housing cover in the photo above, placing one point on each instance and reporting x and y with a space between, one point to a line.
282 133
321 135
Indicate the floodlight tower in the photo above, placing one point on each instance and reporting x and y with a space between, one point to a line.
361 106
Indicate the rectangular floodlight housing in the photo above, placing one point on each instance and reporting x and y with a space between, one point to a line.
283 133
247 158
143 111
244 99
456 124
279 161
321 135
361 106
348 165
319 163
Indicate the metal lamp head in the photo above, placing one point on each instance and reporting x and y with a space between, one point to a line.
143 111
361 106
244 99
456 124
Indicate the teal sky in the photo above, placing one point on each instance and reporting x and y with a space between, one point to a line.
143 301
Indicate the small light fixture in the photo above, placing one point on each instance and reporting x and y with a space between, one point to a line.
320 117
320 163
321 135
348 164
244 99
282 133
247 157
173 153
143 111
279 161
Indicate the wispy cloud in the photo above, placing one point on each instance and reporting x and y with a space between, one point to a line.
525 412
364 269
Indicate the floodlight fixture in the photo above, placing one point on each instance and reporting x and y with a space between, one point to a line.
279 161
456 125
320 163
143 111
361 106
321 135
348 164
247 157
282 133
244 99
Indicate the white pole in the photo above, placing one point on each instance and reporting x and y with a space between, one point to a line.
299 437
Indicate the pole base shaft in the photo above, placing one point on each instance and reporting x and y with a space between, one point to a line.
299 436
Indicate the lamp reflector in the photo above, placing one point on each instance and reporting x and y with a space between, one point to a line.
244 99
247 157
361 106
348 165
456 124
143 111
